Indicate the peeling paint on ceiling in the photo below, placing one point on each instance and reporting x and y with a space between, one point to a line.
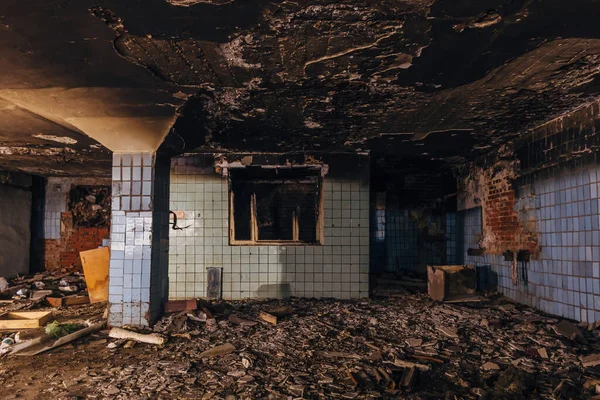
455 78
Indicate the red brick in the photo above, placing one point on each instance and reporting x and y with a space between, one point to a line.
180 305
63 253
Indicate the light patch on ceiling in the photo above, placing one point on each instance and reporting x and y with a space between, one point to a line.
233 52
310 124
181 95
58 139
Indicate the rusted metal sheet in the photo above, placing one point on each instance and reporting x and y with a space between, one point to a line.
214 282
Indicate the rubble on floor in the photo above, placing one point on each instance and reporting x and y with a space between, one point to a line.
29 292
401 347
29 325
392 285
90 206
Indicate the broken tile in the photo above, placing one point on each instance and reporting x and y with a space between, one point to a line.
490 366
448 331
216 351
590 360
569 330
414 342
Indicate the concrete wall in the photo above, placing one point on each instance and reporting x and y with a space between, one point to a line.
338 268
15 233
562 213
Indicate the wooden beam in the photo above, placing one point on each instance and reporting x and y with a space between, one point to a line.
24 319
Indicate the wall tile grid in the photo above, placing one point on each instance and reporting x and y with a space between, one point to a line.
451 240
401 240
405 248
134 249
431 251
565 280
57 190
472 228
339 268
377 235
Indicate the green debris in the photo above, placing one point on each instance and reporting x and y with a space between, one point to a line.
57 329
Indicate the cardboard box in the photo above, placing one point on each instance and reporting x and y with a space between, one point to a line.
67 301
448 282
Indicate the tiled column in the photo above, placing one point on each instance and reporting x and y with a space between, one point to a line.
139 239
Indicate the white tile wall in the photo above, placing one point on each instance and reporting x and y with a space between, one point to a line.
564 279
57 191
339 268
131 243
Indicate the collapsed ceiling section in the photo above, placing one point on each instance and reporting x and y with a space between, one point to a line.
414 79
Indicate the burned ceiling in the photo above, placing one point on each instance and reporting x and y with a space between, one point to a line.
414 79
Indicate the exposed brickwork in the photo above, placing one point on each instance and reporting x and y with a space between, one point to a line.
52 254
64 241
506 225
63 253
503 228
556 181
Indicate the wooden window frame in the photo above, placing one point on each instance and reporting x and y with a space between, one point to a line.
254 226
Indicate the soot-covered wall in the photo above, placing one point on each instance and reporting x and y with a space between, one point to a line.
540 194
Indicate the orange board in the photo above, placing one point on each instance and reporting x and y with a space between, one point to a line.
95 268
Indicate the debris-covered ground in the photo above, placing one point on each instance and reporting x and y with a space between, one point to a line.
405 346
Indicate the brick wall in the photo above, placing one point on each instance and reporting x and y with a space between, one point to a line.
565 278
63 253
504 230
506 226
547 200
62 241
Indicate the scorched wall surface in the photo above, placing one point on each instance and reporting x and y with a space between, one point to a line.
564 280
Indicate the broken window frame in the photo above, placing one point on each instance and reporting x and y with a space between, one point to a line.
255 241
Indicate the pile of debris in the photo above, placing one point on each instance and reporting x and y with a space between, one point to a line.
410 348
28 305
56 290
407 346
90 206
